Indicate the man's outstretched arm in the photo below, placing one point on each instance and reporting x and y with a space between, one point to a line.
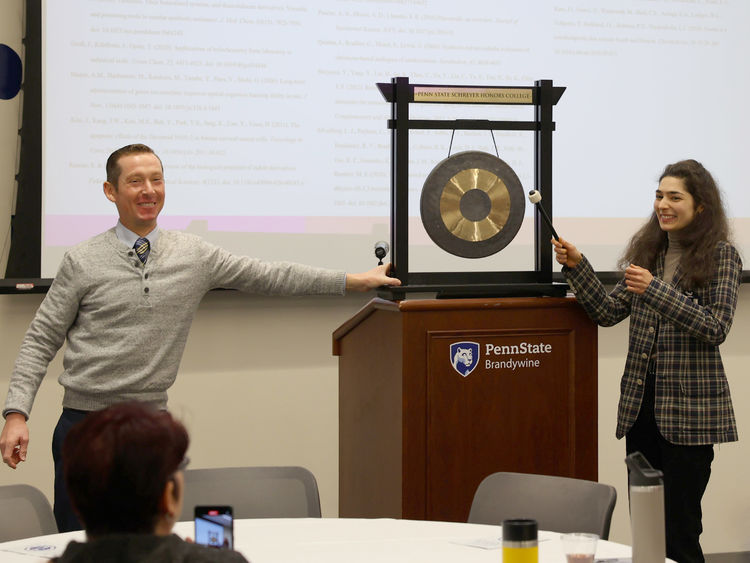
371 279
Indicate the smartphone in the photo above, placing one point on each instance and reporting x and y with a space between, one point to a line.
214 526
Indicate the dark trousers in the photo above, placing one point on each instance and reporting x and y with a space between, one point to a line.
67 521
686 471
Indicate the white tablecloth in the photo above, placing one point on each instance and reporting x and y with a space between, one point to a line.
343 540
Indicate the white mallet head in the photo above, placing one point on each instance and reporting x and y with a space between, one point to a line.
535 196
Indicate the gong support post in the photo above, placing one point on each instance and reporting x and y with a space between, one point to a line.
543 175
400 180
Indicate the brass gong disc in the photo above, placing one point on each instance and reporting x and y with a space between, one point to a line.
472 204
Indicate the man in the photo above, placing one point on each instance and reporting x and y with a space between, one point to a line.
125 299
124 470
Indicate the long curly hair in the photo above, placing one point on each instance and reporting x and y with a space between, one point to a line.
699 238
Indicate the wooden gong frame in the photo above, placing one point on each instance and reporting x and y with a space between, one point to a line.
401 94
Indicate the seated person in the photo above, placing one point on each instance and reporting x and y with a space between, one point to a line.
124 470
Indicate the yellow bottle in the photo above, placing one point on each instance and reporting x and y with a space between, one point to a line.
520 543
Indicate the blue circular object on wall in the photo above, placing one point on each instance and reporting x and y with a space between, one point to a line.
10 72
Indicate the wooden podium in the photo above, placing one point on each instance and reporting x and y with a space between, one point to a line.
434 395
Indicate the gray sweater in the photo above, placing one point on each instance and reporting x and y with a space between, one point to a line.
127 323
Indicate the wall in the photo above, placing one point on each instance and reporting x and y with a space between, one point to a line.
258 384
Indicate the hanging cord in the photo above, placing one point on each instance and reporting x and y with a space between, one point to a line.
492 133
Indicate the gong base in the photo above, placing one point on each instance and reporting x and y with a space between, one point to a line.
465 291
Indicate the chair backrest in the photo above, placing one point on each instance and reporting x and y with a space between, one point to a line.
253 492
24 513
558 504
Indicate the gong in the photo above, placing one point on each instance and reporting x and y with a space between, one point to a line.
472 204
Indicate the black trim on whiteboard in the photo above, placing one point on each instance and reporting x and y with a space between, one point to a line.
25 254
24 260
20 286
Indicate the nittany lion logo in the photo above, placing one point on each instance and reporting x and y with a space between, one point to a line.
464 357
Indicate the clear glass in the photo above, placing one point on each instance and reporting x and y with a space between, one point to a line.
579 547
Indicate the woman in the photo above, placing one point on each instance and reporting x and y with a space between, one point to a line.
680 289
124 472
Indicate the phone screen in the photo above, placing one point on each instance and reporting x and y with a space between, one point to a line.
214 526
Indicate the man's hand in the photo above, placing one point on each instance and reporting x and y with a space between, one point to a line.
14 440
371 279
637 279
566 254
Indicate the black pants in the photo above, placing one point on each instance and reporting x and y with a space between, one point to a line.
67 521
686 471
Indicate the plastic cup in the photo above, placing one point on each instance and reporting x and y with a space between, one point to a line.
579 547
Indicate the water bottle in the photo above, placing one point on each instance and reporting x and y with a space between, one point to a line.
646 510
520 541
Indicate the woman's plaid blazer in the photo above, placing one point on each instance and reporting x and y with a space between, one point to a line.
682 329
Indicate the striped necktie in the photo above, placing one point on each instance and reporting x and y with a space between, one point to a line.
142 248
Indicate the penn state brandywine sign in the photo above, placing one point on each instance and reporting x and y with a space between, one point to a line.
506 354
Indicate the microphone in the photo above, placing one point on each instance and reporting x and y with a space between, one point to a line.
381 249
535 197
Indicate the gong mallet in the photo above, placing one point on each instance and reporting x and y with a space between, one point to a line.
536 198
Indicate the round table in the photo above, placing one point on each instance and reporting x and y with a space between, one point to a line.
344 540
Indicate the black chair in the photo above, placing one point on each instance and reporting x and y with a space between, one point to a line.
558 504
24 513
253 492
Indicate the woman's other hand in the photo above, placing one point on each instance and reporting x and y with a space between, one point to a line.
637 279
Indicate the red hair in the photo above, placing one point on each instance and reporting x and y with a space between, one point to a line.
117 462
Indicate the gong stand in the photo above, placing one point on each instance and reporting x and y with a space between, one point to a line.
400 94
